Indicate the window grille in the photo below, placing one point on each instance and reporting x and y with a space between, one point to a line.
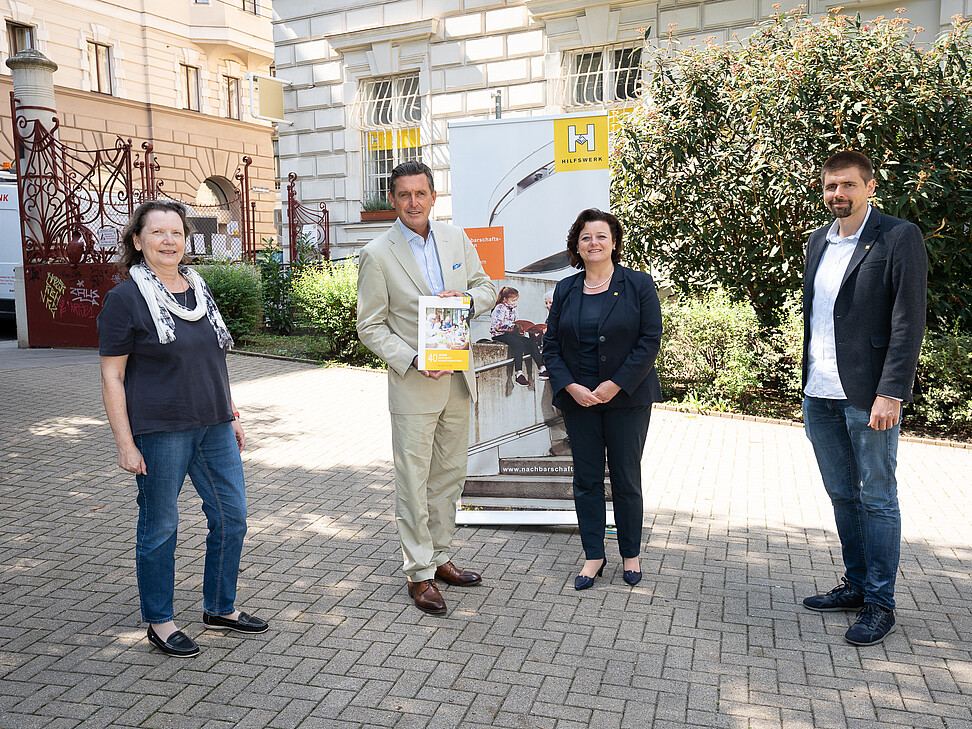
389 112
250 6
609 75
99 66
389 103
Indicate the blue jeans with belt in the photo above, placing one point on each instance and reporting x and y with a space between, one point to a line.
857 464
211 458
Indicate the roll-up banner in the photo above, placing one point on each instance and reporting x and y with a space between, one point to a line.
517 185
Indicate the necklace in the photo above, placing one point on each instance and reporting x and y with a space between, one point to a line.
185 297
598 285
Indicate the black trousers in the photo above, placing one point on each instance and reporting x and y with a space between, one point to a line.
621 432
518 344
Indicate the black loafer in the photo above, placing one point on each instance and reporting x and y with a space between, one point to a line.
243 624
179 644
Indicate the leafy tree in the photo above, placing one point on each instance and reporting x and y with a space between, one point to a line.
716 176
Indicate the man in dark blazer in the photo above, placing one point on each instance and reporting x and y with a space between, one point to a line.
864 319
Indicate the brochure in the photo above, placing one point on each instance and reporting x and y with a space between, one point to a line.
444 332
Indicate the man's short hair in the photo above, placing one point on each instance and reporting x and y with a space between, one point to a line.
846 159
407 169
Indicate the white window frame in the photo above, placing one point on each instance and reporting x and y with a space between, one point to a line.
389 114
98 84
594 76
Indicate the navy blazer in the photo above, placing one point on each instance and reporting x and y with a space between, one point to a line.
879 315
629 335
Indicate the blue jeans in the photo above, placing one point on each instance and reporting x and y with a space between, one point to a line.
857 465
211 458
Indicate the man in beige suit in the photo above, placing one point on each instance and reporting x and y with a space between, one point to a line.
429 410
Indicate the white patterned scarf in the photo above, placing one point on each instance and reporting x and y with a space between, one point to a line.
160 302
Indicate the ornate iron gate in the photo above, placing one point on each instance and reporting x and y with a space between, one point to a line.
301 219
74 204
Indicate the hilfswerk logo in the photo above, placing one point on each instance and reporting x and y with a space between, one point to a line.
581 144
585 138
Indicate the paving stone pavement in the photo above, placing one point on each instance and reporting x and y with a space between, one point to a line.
738 530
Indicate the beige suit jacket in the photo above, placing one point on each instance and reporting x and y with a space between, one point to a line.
390 282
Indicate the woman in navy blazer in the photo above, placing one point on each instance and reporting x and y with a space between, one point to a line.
603 334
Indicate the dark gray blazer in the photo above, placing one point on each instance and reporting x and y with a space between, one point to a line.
629 336
879 315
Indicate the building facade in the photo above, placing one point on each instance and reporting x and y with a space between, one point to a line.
376 83
169 73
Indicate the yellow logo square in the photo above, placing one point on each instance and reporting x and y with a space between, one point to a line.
581 143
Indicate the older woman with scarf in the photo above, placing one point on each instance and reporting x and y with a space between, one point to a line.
166 389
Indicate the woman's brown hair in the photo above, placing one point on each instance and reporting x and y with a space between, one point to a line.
129 255
588 216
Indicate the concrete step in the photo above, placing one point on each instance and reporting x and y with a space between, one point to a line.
529 466
522 487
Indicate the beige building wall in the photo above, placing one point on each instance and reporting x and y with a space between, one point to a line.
463 52
149 42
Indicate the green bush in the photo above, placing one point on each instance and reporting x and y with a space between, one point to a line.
710 350
945 376
782 353
236 289
278 309
325 301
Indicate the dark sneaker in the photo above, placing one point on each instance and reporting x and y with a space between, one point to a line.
873 625
842 597
521 380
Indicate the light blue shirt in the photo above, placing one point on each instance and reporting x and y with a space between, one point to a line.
427 256
823 379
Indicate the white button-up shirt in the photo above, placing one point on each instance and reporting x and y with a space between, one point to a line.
823 379
426 255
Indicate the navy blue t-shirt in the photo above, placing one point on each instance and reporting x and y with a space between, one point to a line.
168 387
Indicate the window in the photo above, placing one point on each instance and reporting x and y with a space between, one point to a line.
389 113
232 87
19 37
250 6
276 163
99 66
605 76
190 87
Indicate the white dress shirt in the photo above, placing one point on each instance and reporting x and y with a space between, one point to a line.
823 379
426 255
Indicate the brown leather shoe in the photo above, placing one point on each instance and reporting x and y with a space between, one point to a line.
427 597
452 575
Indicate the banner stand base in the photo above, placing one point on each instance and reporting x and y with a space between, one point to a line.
486 511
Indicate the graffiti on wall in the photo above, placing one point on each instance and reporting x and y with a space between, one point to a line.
64 300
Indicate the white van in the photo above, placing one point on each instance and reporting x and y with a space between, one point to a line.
11 248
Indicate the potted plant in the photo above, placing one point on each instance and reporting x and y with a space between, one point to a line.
377 208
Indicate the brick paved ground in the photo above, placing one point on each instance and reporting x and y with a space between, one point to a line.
738 530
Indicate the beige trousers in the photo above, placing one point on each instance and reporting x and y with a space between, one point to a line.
430 451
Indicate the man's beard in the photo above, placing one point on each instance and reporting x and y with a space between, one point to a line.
845 210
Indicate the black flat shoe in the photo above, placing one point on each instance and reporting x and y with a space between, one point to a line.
631 577
582 582
179 644
243 624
